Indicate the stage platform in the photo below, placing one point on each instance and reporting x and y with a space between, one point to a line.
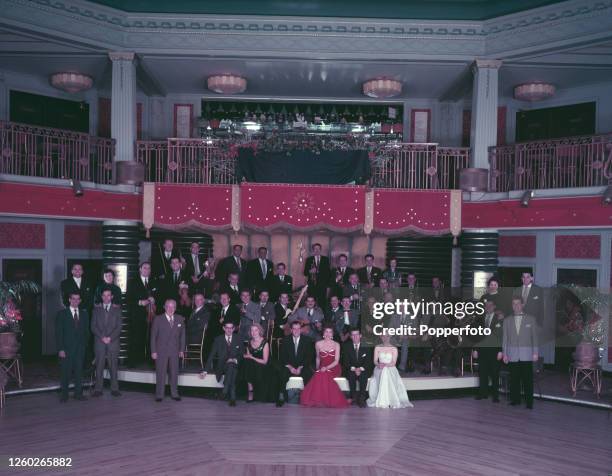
412 384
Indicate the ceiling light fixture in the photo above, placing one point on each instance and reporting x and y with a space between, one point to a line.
382 88
534 91
71 82
226 84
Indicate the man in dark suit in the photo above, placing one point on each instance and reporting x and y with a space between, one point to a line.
196 270
108 282
167 347
77 283
175 279
488 352
259 272
353 291
161 258
532 296
227 312
106 328
141 295
296 359
267 313
71 337
333 314
232 264
349 319
282 312
280 283
369 274
357 364
340 274
198 320
232 288
317 271
227 352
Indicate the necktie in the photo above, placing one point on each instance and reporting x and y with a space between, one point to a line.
317 261
310 313
489 319
223 313
228 341
346 318
357 350
282 278
238 263
342 270
263 268
525 293
171 321
175 277
146 282
76 318
517 322
296 343
167 255
196 265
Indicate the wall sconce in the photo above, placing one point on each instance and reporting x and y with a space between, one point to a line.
527 196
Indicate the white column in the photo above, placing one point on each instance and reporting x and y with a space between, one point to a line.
484 110
123 104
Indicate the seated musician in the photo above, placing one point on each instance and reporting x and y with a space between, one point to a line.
333 314
310 317
267 314
282 311
349 319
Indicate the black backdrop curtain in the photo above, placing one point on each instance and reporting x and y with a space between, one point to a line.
334 167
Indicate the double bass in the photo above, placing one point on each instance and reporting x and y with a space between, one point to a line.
305 324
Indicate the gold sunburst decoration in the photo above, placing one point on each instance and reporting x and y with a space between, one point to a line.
303 203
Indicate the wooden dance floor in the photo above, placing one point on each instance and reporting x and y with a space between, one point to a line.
134 435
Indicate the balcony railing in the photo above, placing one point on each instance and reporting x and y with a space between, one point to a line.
55 153
394 165
584 161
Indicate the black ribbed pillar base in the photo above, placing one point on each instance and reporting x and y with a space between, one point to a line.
479 252
120 252
425 257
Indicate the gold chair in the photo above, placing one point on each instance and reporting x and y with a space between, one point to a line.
195 351
12 367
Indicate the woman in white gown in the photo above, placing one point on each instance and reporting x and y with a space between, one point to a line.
386 388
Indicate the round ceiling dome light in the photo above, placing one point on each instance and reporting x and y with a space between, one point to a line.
534 91
382 88
71 82
226 84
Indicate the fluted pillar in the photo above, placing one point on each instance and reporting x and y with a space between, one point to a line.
484 110
120 252
123 104
479 253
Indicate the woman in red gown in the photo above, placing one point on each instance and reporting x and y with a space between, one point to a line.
322 390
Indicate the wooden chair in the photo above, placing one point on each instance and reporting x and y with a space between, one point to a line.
3 379
12 367
195 351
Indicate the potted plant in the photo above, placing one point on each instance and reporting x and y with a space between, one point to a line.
10 315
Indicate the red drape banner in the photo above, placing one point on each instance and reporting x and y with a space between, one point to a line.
302 207
191 206
421 211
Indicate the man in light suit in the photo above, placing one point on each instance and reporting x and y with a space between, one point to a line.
250 313
310 318
267 312
226 354
167 346
533 297
520 350
106 328
71 337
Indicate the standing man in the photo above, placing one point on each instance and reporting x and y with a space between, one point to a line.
232 288
106 328
296 359
532 296
250 313
341 275
232 264
226 354
281 311
349 319
392 274
369 274
198 321
357 364
520 351
175 279
488 352
267 314
280 283
77 283
310 318
141 294
162 257
353 291
196 271
259 272
316 270
71 337
167 346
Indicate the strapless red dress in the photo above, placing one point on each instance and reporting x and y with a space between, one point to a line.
322 390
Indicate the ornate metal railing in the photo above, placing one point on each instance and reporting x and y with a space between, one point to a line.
55 153
584 161
394 165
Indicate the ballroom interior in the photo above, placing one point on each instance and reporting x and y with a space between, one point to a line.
468 139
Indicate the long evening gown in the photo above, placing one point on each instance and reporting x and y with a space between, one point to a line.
256 373
386 388
322 390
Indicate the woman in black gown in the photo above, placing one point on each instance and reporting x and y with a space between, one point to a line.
255 365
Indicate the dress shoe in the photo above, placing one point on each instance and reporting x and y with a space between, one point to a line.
63 399
279 403
495 400
116 393
80 398
232 403
158 399
362 403
176 399
97 394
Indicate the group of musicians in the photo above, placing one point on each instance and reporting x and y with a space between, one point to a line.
211 294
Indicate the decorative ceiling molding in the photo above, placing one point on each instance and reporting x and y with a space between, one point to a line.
565 24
